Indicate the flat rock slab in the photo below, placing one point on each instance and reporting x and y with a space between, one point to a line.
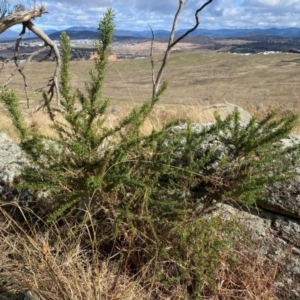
12 159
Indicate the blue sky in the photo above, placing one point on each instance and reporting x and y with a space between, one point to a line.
138 14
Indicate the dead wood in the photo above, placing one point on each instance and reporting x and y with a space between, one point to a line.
24 18
20 17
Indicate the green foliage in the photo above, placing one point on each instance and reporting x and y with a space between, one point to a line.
64 72
11 101
256 155
144 192
231 160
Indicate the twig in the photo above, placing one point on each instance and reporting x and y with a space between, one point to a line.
172 43
25 17
151 58
53 82
20 69
33 54
47 56
195 26
30 57
167 53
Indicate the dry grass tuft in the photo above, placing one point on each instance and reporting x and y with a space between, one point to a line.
54 269
40 259
162 114
246 276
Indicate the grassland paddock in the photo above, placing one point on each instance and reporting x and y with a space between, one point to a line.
257 83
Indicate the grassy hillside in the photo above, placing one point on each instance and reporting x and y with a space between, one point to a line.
257 83
201 78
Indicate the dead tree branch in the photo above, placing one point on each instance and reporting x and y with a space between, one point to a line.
172 43
151 56
53 82
20 17
20 69
4 8
30 57
24 17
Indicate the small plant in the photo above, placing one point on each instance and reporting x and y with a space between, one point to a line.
135 198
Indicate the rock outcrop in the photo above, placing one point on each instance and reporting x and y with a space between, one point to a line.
274 227
223 109
11 159
276 239
281 197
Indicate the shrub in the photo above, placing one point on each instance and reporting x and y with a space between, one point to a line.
135 198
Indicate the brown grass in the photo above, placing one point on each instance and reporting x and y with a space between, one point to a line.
162 114
247 276
257 83
52 268
60 271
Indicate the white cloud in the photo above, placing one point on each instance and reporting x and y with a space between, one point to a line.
138 14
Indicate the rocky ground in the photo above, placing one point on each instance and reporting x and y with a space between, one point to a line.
274 226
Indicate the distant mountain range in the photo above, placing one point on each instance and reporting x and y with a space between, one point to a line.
11 34
82 32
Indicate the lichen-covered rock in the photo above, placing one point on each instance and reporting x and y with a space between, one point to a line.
275 230
283 198
12 159
30 296
223 109
276 239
